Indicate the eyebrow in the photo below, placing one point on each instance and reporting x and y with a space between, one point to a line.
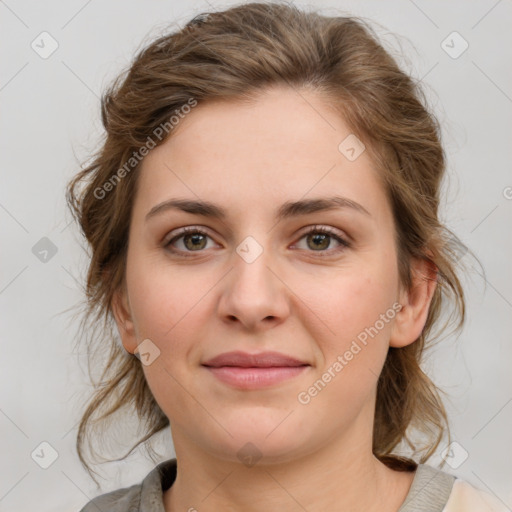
287 210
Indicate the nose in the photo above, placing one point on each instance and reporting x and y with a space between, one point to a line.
253 293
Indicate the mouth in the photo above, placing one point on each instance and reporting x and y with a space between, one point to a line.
253 371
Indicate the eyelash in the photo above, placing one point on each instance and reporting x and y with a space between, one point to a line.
314 229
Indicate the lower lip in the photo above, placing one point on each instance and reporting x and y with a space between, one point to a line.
254 378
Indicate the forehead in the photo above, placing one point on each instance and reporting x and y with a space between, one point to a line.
282 145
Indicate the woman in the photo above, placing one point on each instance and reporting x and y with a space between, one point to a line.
263 218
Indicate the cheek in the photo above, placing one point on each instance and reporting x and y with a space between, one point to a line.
165 311
360 316
353 303
161 297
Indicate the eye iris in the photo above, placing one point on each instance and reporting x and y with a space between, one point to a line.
196 241
320 237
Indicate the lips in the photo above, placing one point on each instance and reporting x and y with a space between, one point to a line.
261 360
246 371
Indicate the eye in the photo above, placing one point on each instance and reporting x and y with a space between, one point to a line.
194 239
319 237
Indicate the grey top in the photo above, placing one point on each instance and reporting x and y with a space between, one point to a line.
429 492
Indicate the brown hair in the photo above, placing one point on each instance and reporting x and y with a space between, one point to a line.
231 55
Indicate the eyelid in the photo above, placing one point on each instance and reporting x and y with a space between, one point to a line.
176 233
323 228
343 239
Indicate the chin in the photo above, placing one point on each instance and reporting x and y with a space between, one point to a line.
250 452
263 440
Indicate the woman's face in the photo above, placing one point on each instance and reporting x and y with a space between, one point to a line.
253 281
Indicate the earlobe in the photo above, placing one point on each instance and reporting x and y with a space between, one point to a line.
411 319
122 316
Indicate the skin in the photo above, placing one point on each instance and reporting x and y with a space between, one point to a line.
250 158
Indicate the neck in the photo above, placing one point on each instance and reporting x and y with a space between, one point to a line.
343 475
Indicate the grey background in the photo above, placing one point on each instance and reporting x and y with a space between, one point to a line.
50 123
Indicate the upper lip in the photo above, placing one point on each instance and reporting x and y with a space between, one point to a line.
260 360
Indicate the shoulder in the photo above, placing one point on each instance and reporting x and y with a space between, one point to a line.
120 500
429 491
434 490
467 498
147 495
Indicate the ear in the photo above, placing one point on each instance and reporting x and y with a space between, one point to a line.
123 317
411 319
